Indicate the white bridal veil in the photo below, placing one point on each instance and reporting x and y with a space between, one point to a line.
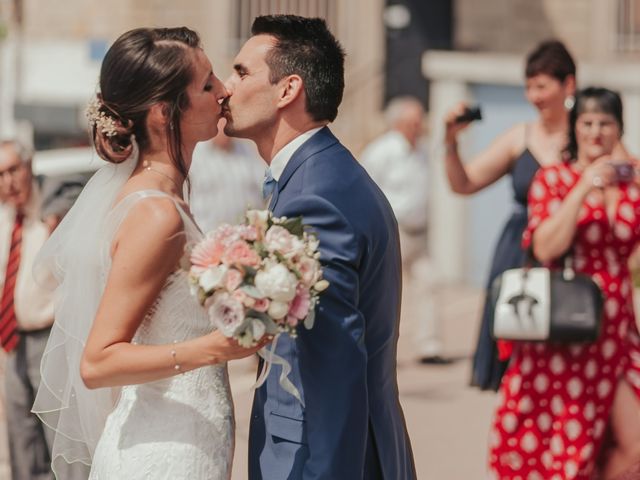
75 261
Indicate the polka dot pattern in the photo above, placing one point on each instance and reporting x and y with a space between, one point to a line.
555 400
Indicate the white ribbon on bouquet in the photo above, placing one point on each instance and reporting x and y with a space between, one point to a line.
271 358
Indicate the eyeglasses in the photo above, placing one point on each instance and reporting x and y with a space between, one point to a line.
12 170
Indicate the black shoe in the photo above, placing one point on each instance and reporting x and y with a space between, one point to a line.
436 360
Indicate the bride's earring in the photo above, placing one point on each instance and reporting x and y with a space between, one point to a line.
569 102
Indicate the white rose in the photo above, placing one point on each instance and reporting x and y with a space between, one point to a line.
277 282
213 278
258 218
278 310
279 239
312 244
257 329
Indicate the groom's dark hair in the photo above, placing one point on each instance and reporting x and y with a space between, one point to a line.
306 47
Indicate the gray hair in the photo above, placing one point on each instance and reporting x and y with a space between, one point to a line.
24 153
398 106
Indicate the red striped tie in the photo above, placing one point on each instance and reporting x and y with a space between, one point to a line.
8 323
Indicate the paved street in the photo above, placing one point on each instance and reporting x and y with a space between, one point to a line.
448 422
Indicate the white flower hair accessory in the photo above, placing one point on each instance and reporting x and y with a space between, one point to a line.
103 122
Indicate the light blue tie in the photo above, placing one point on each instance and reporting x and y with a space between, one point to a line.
268 185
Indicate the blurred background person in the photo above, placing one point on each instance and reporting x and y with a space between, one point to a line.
397 162
520 151
559 400
26 312
226 177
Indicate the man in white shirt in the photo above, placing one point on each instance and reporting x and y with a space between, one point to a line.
397 162
226 177
26 314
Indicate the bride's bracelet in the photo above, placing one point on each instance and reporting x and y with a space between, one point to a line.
176 366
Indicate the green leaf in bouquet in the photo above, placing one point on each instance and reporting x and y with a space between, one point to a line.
272 327
294 226
252 291
245 337
296 272
249 271
261 249
280 257
310 320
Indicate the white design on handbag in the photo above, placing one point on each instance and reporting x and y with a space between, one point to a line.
539 304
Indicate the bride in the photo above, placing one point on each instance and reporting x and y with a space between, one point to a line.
125 317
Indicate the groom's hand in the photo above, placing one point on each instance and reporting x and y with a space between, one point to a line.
222 349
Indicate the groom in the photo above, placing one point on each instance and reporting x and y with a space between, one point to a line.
287 84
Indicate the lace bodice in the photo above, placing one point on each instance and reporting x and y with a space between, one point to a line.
180 427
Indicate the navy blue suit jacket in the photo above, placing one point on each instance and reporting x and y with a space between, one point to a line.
351 426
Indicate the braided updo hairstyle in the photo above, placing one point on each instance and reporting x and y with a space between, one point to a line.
143 67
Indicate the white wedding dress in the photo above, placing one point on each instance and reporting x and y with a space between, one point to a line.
181 427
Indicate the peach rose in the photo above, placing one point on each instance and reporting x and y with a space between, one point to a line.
234 279
240 253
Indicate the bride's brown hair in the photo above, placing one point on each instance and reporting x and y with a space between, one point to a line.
143 67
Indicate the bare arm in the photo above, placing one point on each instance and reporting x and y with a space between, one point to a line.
487 167
146 251
554 235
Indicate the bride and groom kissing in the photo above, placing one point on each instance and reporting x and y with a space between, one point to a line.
134 379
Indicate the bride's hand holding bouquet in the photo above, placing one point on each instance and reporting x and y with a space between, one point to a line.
257 280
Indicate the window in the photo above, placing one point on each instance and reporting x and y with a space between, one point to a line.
246 10
628 32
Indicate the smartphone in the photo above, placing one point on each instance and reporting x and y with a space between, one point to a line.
470 114
625 171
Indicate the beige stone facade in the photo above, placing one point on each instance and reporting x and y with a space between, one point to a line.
222 24
590 28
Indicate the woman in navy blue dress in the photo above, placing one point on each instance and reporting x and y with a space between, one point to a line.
520 151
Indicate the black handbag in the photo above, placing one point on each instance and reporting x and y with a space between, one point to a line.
539 304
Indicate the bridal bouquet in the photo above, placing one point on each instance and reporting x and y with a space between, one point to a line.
261 277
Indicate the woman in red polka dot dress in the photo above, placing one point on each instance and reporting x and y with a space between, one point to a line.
557 400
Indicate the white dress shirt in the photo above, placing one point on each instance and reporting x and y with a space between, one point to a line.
280 159
33 303
401 173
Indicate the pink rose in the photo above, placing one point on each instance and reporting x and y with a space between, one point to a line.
300 305
207 253
243 298
309 270
226 234
261 304
292 320
248 233
280 239
226 313
234 279
240 253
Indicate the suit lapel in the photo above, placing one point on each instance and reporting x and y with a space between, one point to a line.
318 142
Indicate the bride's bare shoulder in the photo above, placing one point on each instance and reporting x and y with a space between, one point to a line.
154 223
